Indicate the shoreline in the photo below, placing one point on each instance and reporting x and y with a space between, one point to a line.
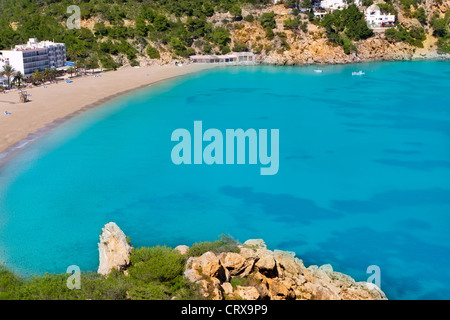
14 139
443 57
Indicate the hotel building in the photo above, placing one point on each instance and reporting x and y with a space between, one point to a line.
34 55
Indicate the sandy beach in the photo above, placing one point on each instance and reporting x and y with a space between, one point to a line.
52 105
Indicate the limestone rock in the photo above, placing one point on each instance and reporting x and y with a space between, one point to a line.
266 264
289 262
315 291
255 243
182 249
234 262
210 266
248 268
247 293
114 250
280 289
227 288
275 275
191 272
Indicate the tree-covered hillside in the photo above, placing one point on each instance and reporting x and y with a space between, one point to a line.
115 32
122 29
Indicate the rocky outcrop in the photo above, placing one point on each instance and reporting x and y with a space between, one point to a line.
311 46
258 273
114 250
253 273
182 249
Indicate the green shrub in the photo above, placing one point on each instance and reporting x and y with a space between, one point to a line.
152 52
240 47
345 26
249 18
226 50
224 244
161 23
154 273
220 36
207 48
247 281
421 15
414 37
156 264
134 63
47 287
97 287
444 46
267 20
9 283
304 27
387 8
440 27
237 281
108 62
151 291
291 24
236 12
269 33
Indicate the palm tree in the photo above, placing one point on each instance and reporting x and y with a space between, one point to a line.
36 76
18 78
71 70
8 72
46 74
54 74
80 65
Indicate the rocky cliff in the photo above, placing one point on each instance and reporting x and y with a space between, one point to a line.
311 46
258 273
314 48
252 272
114 250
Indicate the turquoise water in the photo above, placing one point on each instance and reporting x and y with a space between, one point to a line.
364 174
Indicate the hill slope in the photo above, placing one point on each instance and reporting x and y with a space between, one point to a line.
117 32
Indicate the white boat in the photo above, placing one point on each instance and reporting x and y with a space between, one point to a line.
359 73
318 71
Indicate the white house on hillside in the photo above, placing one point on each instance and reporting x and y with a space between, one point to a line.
34 55
337 4
375 18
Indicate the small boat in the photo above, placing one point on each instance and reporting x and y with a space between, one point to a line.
359 73
318 71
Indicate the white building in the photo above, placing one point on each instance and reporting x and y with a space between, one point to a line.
375 18
232 57
337 4
34 55
320 13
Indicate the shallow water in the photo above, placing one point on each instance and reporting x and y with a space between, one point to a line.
364 174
